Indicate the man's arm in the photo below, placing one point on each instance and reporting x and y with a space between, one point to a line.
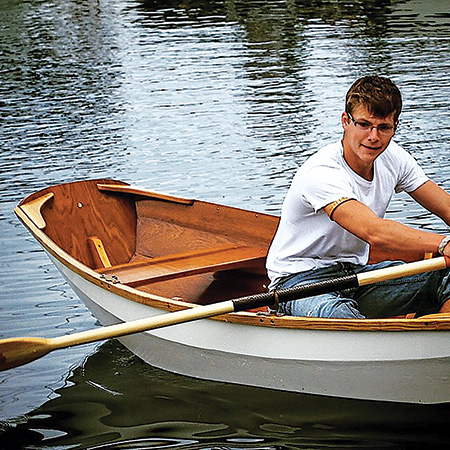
433 198
388 239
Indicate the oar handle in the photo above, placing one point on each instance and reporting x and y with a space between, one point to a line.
295 293
403 270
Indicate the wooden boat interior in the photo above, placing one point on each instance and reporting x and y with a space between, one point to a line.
173 247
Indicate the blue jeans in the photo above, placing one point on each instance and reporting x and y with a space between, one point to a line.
422 294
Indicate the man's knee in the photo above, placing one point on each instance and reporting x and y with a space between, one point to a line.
337 309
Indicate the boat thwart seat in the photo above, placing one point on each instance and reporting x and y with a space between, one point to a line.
161 268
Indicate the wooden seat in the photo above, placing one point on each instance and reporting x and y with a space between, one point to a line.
184 264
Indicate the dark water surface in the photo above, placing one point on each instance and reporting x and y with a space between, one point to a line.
217 100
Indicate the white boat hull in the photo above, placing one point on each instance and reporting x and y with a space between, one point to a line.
395 366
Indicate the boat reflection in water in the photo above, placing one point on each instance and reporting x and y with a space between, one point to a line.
114 400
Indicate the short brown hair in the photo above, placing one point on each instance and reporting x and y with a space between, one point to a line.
378 94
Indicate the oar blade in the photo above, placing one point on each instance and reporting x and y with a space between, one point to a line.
15 352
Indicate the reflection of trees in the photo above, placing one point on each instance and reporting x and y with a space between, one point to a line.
269 17
278 46
59 79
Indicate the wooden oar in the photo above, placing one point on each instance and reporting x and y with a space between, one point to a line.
18 351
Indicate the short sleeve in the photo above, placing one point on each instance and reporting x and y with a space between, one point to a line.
334 184
411 175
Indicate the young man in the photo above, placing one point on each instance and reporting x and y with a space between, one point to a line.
332 222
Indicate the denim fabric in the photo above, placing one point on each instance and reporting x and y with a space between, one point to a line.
422 294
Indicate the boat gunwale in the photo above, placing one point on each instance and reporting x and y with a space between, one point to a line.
433 322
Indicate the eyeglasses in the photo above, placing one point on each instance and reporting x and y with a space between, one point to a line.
383 128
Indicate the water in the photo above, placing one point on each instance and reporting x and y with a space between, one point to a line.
217 100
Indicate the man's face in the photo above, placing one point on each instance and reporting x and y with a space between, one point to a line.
365 137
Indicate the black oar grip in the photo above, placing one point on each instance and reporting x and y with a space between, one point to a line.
295 293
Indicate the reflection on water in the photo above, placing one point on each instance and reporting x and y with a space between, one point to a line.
211 99
113 396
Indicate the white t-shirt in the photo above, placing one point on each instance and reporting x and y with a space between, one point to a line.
306 237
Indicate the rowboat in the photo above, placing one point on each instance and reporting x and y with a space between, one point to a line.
131 254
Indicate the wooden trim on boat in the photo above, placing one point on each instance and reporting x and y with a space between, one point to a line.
432 322
125 189
33 209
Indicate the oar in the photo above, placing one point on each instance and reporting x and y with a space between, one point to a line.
18 351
